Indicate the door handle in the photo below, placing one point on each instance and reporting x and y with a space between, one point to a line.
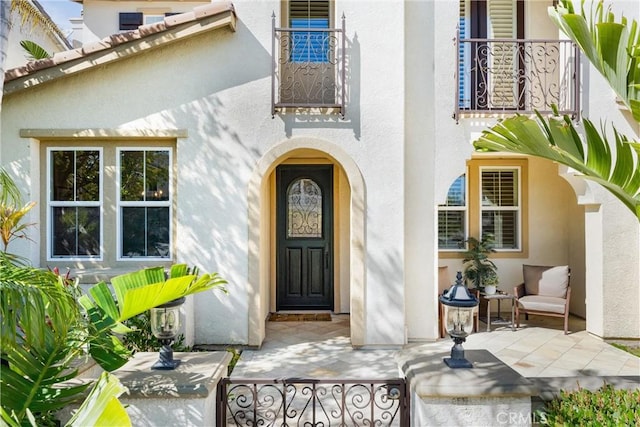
326 257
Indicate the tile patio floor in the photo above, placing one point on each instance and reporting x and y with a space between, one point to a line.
538 349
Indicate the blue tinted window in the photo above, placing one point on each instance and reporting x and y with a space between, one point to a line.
309 46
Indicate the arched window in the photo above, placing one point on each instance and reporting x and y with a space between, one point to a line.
304 209
452 217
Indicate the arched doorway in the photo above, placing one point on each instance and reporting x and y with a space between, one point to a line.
346 239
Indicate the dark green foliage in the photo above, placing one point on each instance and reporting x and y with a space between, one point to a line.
605 407
477 266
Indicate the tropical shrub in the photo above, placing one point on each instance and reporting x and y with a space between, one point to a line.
605 407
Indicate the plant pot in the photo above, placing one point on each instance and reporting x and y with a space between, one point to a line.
490 289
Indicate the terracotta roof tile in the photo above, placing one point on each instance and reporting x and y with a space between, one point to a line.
198 13
173 20
67 55
40 64
124 37
96 46
156 27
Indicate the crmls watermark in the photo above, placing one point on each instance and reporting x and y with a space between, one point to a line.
517 418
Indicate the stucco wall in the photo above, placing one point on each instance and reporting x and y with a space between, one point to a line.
222 99
398 137
101 17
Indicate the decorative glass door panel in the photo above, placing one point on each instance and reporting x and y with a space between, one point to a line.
304 237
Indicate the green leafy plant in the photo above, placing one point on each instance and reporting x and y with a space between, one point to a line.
12 211
45 329
608 158
605 407
135 293
34 50
476 265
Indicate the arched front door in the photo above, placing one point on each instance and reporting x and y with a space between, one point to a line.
304 230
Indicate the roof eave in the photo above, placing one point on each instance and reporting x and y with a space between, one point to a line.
114 48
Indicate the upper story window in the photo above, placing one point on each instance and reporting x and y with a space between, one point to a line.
74 203
488 199
132 20
500 71
309 46
309 67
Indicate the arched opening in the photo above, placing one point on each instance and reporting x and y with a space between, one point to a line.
348 292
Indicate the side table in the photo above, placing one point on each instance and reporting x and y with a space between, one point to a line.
499 297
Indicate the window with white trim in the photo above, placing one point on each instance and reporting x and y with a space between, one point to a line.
144 203
500 207
74 203
488 199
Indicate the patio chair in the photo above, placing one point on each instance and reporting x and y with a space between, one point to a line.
444 283
546 291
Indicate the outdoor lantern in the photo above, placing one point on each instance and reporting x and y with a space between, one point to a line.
458 316
165 322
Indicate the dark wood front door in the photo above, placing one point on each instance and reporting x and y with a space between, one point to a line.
304 229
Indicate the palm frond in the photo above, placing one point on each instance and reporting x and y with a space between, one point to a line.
34 50
612 47
556 138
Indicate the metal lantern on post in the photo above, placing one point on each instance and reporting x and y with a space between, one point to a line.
458 314
165 322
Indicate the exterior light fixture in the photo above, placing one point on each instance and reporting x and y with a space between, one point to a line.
459 305
165 322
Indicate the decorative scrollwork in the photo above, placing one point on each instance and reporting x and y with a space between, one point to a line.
517 75
308 67
317 403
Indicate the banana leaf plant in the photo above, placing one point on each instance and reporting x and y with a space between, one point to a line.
612 162
45 331
42 336
609 158
135 293
612 47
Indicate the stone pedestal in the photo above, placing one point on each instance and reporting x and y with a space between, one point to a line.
185 396
489 394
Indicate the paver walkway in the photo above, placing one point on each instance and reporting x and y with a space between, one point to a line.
538 349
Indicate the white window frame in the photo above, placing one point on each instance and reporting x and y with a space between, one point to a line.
518 208
52 204
120 204
464 209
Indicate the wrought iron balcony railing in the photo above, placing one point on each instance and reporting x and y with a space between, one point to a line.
308 68
500 76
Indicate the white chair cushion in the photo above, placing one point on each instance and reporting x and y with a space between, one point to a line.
545 280
542 303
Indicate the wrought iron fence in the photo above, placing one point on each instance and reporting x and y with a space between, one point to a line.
307 402
497 76
308 68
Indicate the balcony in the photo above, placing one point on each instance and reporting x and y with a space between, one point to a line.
308 69
498 76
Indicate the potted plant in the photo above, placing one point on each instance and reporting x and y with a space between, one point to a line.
478 269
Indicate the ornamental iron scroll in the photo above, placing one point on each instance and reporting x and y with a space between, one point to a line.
517 76
243 402
308 69
304 209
